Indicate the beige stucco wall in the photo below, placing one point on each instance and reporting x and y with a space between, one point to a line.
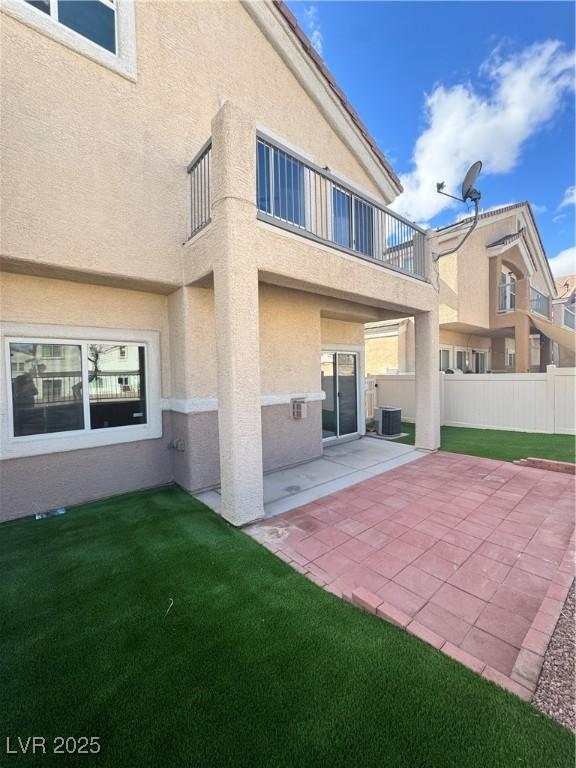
381 354
289 341
457 339
26 299
341 332
107 157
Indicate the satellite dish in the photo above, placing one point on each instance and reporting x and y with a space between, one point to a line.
468 193
470 180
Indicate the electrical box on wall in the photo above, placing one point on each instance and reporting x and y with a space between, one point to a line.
299 408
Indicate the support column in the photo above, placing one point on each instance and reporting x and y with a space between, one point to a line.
522 343
427 381
239 409
237 315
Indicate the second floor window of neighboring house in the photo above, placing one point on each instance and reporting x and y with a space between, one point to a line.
444 359
507 292
92 19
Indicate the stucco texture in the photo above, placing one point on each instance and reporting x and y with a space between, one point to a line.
109 163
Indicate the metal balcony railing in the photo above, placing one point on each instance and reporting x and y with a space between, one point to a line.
62 387
199 172
539 303
294 194
569 318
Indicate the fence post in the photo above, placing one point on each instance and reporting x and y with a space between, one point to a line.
550 413
442 397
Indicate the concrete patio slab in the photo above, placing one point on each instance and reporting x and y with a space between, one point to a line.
471 555
341 466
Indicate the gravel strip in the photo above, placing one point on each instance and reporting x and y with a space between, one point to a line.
555 694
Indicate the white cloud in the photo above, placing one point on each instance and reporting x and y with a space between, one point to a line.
558 218
524 93
538 208
564 263
569 198
311 18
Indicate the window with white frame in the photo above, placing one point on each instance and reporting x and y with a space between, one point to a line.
479 358
93 19
510 353
75 386
102 30
507 292
445 358
462 360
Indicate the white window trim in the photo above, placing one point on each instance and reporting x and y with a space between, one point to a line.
481 351
123 61
56 442
467 355
444 348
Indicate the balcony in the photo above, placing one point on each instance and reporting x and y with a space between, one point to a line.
539 303
297 196
199 172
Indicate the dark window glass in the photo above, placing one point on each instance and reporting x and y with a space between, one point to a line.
288 188
42 5
347 403
363 227
341 217
117 386
46 388
263 179
329 404
91 19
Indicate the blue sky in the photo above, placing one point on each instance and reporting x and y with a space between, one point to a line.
441 84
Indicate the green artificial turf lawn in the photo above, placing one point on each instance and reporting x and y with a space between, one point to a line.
252 666
499 444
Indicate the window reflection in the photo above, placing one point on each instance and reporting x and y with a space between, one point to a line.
116 382
46 388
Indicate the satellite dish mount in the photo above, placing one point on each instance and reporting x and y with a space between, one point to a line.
468 192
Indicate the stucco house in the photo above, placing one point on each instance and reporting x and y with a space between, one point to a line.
564 313
194 232
496 297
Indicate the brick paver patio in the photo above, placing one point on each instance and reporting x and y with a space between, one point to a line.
472 555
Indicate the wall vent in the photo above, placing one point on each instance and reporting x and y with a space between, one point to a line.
299 408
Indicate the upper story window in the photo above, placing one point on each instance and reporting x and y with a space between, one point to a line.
93 19
102 30
507 292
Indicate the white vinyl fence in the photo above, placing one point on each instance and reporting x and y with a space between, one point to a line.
521 402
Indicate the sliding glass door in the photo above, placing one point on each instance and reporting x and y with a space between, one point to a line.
339 374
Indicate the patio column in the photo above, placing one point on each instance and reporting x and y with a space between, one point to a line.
237 315
427 380
522 343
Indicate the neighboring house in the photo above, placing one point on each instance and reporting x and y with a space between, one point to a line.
496 296
194 232
564 312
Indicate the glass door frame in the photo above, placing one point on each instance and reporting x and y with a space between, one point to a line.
337 349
